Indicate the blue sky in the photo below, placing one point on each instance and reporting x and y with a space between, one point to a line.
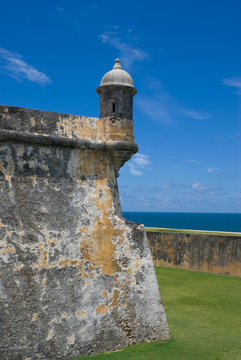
185 59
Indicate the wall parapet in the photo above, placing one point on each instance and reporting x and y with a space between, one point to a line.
215 253
67 129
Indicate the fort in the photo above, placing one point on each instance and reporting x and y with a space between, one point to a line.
217 253
76 278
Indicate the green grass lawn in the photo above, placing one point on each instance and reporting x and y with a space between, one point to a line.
204 316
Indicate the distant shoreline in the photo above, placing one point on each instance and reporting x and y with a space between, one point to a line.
190 231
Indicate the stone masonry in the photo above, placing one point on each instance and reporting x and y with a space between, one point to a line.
76 278
215 253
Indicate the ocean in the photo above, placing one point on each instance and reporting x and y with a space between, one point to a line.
193 221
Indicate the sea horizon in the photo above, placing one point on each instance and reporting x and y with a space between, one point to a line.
210 221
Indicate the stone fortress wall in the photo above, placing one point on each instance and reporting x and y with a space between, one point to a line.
76 278
215 253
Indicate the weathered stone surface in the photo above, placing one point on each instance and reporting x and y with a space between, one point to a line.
122 98
202 252
75 277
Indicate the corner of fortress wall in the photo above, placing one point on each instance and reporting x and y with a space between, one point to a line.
76 278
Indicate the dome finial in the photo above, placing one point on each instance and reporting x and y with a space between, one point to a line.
117 64
117 77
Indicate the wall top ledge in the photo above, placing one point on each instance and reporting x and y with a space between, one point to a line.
35 138
57 129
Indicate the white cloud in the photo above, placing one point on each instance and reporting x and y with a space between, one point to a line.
128 52
233 82
156 108
153 84
162 107
198 186
211 170
138 164
13 65
235 135
134 170
141 160
181 197
60 9
197 115
176 187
